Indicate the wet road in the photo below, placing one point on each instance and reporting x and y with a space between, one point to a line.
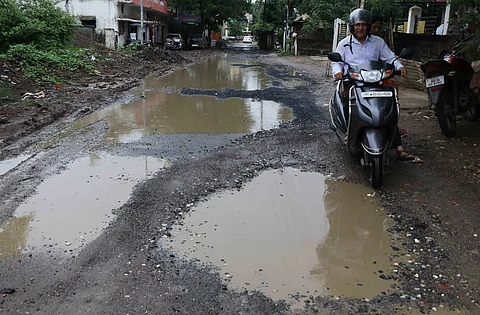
222 166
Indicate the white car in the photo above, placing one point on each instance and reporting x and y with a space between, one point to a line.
247 39
174 41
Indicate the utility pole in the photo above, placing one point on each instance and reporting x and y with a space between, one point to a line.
285 30
141 22
265 11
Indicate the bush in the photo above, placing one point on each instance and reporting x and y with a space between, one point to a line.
131 48
35 35
5 91
48 66
37 22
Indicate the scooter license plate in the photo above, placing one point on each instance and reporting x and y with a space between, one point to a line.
440 80
377 94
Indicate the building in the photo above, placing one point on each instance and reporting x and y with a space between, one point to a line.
117 22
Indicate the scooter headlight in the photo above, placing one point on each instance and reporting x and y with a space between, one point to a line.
372 76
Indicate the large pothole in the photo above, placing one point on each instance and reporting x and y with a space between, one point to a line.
290 233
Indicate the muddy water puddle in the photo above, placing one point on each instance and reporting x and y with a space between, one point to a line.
290 233
161 112
176 114
9 164
71 209
213 74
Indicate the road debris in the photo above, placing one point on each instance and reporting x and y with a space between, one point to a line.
28 95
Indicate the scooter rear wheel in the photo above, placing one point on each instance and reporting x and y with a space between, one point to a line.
446 116
376 166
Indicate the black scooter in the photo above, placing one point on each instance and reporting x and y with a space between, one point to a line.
448 80
365 118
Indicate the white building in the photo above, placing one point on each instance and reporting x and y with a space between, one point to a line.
116 22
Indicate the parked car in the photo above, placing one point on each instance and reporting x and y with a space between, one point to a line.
247 39
174 41
197 41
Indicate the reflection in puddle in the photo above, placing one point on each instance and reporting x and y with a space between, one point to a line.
13 236
7 165
162 113
212 74
158 112
70 209
290 232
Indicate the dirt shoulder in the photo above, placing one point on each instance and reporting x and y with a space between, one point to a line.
80 94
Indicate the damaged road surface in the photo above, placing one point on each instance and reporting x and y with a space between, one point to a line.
215 189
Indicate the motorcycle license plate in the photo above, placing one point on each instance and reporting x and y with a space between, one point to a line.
440 80
377 94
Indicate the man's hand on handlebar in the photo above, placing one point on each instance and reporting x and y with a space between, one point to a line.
403 71
338 75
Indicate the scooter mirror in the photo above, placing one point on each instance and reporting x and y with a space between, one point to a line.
407 52
334 56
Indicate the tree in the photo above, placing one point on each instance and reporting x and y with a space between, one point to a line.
235 28
320 11
388 10
269 15
467 17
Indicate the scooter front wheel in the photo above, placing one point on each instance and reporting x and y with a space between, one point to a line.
376 166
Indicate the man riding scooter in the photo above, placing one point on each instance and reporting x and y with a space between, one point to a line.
360 47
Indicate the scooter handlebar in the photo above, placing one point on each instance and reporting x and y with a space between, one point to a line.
344 76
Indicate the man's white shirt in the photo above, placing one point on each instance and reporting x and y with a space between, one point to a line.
373 48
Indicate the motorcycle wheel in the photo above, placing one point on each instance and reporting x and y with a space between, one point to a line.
376 166
473 114
446 117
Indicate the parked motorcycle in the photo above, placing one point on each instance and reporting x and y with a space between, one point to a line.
447 79
366 119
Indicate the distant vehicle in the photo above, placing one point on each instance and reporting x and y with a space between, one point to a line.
196 41
174 41
247 39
